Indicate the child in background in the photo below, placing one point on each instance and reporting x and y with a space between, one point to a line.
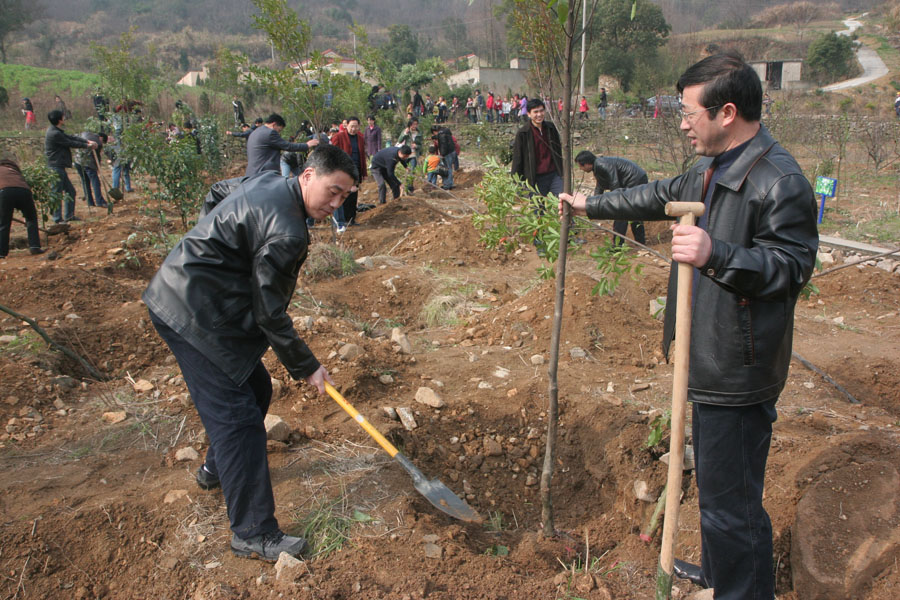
434 163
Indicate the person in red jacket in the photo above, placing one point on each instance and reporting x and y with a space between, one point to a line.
489 105
583 109
351 142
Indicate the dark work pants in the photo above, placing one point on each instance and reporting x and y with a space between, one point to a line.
346 212
65 187
16 198
637 229
384 179
233 416
731 446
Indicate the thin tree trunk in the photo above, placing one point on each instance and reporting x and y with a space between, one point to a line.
548 527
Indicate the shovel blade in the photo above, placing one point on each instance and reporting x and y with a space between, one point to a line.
440 496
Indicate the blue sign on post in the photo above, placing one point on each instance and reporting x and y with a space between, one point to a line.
825 187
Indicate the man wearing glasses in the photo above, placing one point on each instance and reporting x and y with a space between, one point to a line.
754 249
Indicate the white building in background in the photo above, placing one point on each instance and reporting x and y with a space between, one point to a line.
193 78
502 81
780 74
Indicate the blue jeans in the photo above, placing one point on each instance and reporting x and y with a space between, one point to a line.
447 162
233 416
432 178
120 171
731 447
91 181
64 186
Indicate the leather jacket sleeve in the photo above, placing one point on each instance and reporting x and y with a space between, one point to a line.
782 257
273 281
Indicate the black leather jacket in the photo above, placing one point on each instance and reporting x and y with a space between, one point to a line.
762 221
58 146
226 286
613 173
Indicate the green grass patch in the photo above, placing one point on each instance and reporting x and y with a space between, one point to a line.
326 527
31 81
27 343
329 261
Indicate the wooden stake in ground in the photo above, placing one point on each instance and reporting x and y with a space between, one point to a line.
686 211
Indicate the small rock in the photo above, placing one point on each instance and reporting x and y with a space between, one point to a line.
642 491
577 352
113 417
400 338
531 480
640 387
433 551
72 317
430 538
350 352
6 339
585 582
614 400
537 359
366 262
886 265
706 594
492 447
512 393
174 496
406 417
277 388
11 400
688 462
277 428
501 372
386 379
288 568
609 388
485 385
390 412
65 382
428 397
838 320
826 258
186 454
142 385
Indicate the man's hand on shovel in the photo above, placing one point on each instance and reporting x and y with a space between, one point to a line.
690 245
318 379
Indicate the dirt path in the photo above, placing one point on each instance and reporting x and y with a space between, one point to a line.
96 507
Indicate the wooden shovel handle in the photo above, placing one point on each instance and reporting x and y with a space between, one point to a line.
361 420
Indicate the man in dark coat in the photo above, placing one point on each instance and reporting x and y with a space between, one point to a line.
219 301
265 144
537 151
351 142
443 138
383 164
58 148
613 173
754 250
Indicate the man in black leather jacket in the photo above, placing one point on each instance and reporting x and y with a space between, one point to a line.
754 250
614 173
58 147
219 301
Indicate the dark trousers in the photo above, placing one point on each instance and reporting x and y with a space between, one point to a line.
384 179
65 187
15 198
549 183
637 229
90 180
731 446
346 212
233 416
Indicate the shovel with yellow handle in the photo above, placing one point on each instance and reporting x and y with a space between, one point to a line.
436 492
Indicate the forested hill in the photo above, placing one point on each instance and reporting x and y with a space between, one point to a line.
186 33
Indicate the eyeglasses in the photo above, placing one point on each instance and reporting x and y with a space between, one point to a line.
687 115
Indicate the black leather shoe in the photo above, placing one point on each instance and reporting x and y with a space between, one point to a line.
268 546
37 250
691 572
205 479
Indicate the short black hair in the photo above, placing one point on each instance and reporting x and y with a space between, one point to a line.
258 121
349 119
534 103
327 159
55 116
725 78
404 149
371 117
103 137
585 157
411 121
277 119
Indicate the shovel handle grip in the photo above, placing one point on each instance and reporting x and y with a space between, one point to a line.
361 420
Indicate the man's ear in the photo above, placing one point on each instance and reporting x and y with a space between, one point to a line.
729 113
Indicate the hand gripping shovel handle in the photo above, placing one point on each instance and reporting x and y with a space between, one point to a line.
686 211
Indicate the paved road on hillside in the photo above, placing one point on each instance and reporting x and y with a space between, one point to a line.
873 66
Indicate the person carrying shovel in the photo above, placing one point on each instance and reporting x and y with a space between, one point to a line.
752 251
219 301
